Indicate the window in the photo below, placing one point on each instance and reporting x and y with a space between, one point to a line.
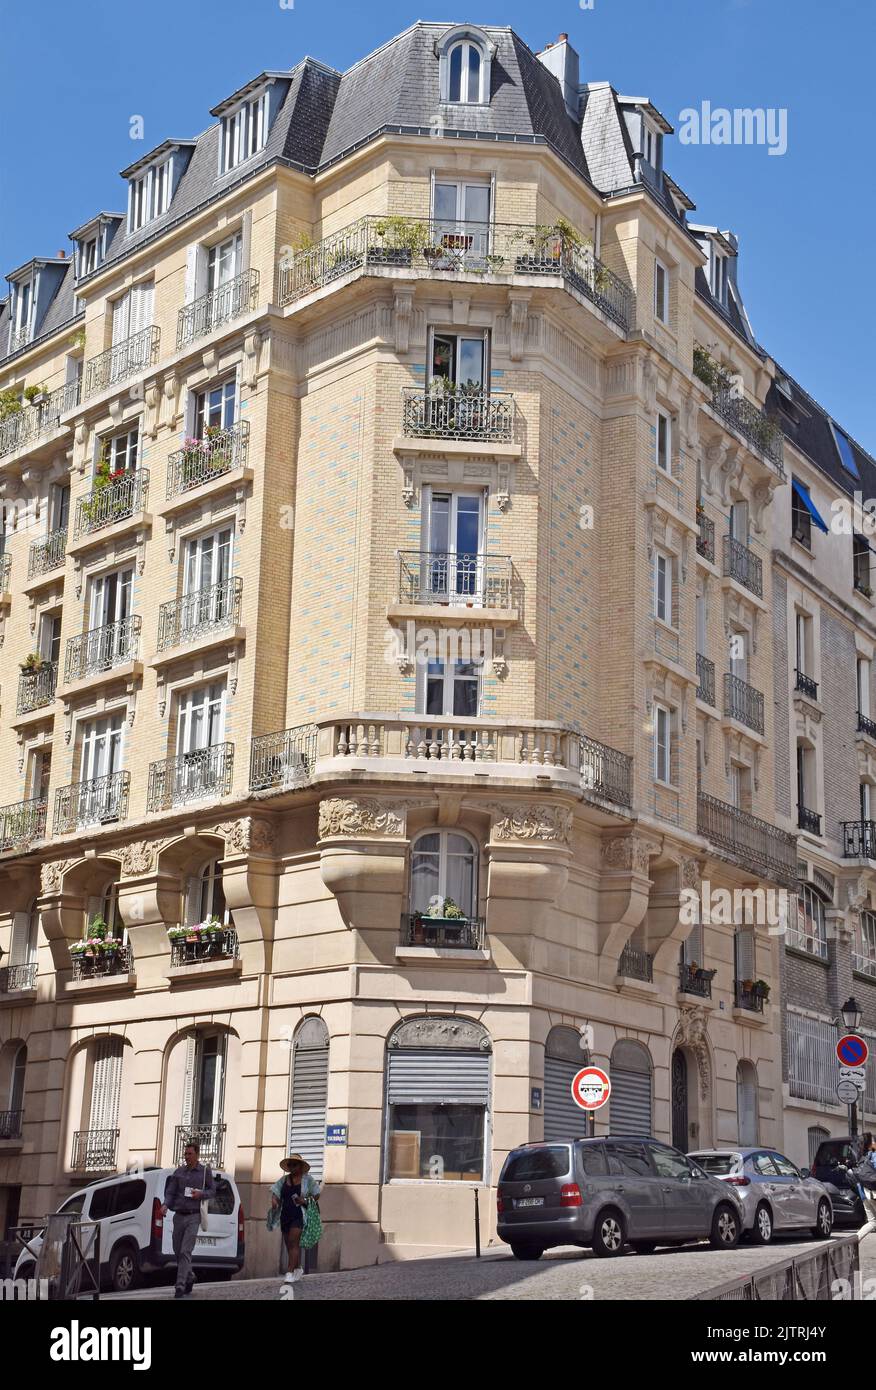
138 203
133 311
101 753
863 686
809 932
719 277
39 772
806 790
763 1165
701 623
864 799
803 626
444 865
16 1084
120 452
206 897
651 142
204 1089
664 442
110 606
244 132
59 507
466 73
461 217
21 313
868 944
214 409
200 718
844 449
461 359
149 195
451 565
801 519
540 1165
438 1096
87 256
667 1163
451 688
309 1093
739 522
661 292
663 749
740 786
861 565
663 587
633 1160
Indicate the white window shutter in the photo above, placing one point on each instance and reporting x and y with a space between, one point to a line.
191 273
106 1082
121 318
219 1092
188 1105
18 954
242 259
193 900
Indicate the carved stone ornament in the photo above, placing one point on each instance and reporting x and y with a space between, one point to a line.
690 874
140 857
532 822
629 852
692 1025
51 876
344 816
247 836
441 1032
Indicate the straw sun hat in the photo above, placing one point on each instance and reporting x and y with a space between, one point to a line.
294 1161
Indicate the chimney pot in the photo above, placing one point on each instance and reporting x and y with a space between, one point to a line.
564 38
62 255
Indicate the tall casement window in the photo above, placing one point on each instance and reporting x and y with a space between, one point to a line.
461 221
244 131
807 791
204 1096
663 743
452 558
437 1101
862 679
803 638
444 865
101 753
95 1146
214 409
664 442
809 932
661 292
664 566
206 896
459 359
149 195
133 311
121 451
865 962
861 565
466 73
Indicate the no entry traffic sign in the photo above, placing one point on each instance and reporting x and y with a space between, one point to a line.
852 1051
591 1088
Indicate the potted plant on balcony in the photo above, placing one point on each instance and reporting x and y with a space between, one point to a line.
400 239
32 663
761 990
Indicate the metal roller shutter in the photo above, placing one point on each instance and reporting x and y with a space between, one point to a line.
309 1102
630 1102
424 1075
563 1119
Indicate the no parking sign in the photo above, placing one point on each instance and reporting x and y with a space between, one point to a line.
591 1088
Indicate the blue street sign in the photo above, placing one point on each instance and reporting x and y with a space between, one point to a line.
336 1134
535 1098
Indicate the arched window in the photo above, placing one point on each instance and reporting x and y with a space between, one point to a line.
746 1103
206 897
438 1100
307 1108
444 873
465 55
10 1122
630 1071
565 1053
816 1135
466 65
809 933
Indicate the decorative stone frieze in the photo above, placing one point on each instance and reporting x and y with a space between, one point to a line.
51 876
140 857
551 824
692 1033
629 852
247 836
345 816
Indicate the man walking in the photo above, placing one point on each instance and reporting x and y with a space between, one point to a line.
184 1191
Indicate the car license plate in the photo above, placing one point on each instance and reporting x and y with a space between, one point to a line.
530 1202
207 1240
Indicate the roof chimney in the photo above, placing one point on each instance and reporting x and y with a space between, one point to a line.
561 59
62 255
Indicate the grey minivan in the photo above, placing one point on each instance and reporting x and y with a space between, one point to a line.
607 1193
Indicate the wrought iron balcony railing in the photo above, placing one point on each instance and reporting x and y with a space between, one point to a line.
223 946
101 648
32 421
96 801
743 703
210 1138
459 933
16 978
434 247
190 777
36 689
435 576
117 960
743 565
749 998
222 305
807 820
805 684
766 850
705 537
859 839
198 613
758 429
282 760
95 1151
706 678
22 823
5 572
202 460
47 555
10 1124
458 414
866 725
116 501
636 964
693 980
125 359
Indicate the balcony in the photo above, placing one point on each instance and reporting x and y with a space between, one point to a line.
190 777
460 934
864 965
486 416
5 572
866 725
36 689
113 958
211 1139
17 979
283 760
464 581
743 703
102 649
806 943
746 840
705 537
98 801
224 945
25 426
199 614
115 502
48 555
805 685
450 250
693 980
748 996
223 305
706 679
200 461
10 1124
95 1151
807 820
743 565
636 964
859 839
760 431
122 361
22 823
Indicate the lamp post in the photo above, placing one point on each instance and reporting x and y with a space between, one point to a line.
850 1019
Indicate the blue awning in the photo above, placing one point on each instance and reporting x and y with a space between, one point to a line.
803 494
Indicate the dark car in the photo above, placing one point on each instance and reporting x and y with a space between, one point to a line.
607 1193
833 1159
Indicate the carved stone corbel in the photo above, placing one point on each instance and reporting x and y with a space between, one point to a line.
692 1034
402 316
171 386
152 400
519 305
503 490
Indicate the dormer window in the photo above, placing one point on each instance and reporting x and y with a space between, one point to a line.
149 195
88 256
651 141
719 276
92 241
465 73
844 449
464 56
21 314
244 132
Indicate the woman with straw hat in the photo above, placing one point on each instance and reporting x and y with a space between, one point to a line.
289 1198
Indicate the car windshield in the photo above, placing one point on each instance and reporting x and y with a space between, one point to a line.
829 1155
536 1164
717 1165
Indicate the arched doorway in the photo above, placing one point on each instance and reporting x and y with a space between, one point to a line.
630 1070
679 1094
564 1055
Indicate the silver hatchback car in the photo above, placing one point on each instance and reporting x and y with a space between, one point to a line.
776 1196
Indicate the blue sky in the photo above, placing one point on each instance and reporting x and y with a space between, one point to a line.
804 219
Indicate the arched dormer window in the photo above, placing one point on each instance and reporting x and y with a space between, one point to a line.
465 56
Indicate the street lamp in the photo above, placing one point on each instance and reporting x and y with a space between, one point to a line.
851 1015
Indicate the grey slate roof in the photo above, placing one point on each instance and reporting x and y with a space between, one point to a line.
808 426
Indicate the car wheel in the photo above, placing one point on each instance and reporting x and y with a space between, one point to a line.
124 1269
526 1250
644 1247
725 1228
762 1231
609 1235
823 1221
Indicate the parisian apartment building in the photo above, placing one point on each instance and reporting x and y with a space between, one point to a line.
418 582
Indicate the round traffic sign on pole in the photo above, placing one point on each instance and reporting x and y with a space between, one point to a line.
847 1092
852 1051
591 1088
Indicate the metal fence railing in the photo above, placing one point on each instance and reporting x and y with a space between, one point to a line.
830 1273
222 305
